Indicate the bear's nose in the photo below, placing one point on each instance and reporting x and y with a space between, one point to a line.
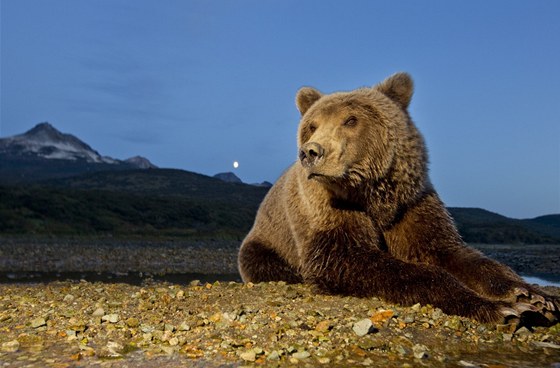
310 153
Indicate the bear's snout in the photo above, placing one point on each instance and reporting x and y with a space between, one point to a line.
310 153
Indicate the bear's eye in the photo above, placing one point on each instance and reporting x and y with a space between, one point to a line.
312 128
351 121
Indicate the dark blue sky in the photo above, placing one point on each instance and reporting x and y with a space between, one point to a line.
198 84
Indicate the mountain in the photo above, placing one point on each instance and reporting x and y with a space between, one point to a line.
265 184
43 152
477 225
228 177
46 141
140 162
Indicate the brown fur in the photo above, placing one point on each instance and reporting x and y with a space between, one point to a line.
358 214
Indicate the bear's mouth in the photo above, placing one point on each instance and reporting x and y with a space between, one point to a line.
322 177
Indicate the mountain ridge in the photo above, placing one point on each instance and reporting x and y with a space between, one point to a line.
43 152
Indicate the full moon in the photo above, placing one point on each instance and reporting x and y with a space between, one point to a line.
235 164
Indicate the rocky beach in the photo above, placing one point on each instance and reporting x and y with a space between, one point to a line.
208 323
228 324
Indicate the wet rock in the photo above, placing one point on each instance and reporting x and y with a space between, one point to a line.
382 315
248 356
300 355
99 312
38 322
111 318
324 326
274 355
132 322
363 327
420 351
10 346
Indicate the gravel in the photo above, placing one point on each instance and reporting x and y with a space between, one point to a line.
228 324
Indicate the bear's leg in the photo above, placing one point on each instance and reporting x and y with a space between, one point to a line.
258 263
338 262
426 234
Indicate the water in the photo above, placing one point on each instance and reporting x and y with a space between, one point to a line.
548 281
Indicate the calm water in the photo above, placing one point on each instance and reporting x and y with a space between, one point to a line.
549 281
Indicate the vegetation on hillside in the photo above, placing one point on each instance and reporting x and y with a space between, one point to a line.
52 211
177 203
480 226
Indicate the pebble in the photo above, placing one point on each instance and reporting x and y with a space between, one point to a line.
10 346
523 331
38 322
248 356
324 326
111 318
183 327
274 355
300 355
544 344
409 318
132 322
99 312
382 315
363 327
420 351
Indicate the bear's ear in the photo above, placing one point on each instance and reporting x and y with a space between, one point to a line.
306 97
398 87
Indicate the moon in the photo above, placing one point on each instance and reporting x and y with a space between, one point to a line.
235 164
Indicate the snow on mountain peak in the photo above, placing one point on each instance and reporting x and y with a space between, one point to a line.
46 141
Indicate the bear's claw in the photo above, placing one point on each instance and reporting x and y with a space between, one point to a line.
534 307
521 291
508 312
525 307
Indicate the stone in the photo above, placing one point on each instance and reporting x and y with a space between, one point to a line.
10 346
300 355
111 318
363 327
99 312
248 356
420 351
274 355
38 322
132 322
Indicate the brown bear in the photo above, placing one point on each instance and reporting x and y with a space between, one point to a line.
358 215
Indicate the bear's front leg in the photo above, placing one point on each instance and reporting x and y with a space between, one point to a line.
426 234
342 262
259 263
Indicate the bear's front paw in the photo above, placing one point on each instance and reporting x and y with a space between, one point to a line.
545 309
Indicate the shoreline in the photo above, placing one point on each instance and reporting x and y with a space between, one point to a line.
144 278
29 254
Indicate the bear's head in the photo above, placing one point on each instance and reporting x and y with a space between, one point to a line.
347 138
